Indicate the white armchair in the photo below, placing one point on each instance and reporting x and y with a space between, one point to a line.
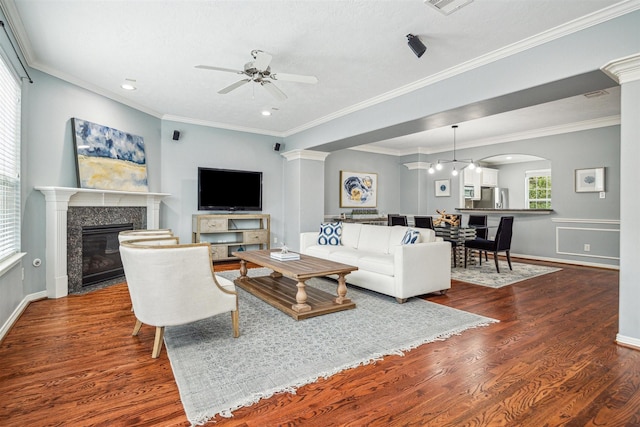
143 234
174 285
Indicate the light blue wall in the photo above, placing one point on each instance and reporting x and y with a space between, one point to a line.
215 148
387 168
413 190
48 153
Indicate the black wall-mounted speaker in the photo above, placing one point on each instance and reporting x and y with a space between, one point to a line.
416 45
176 135
276 146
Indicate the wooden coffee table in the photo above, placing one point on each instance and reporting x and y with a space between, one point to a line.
285 287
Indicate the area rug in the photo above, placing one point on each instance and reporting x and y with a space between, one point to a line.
217 374
486 275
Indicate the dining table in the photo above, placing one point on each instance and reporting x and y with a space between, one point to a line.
457 236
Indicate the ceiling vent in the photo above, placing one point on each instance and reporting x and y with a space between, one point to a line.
596 93
447 6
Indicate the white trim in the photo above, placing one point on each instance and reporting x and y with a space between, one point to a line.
305 155
624 70
10 262
18 311
587 221
417 165
517 136
628 341
220 125
567 261
558 251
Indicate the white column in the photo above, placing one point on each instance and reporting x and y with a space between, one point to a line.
57 205
626 72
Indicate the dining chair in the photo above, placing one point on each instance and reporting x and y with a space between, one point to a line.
174 285
501 243
398 220
481 233
423 222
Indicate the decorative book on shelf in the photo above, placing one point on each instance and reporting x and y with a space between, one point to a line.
285 256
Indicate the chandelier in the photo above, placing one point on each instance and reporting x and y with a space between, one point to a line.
457 164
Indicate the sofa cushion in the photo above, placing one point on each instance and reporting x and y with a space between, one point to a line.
374 238
346 256
377 263
350 234
410 237
330 233
427 235
322 251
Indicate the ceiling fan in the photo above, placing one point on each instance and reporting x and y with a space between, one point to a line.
259 71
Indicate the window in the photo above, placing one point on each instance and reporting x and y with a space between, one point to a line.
9 162
538 189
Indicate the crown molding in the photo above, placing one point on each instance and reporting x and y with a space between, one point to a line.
206 123
518 136
624 70
305 155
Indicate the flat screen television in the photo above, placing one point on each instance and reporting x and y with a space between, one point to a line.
229 190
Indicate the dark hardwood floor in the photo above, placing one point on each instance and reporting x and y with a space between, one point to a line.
550 361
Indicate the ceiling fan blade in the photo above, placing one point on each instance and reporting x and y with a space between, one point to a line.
273 89
228 70
294 78
263 59
233 86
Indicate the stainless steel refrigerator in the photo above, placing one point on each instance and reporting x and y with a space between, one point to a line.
493 198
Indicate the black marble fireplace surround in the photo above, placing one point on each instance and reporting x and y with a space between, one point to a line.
79 217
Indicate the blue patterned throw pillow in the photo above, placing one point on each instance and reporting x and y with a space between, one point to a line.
410 237
330 233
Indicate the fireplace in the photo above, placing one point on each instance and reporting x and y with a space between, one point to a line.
63 260
100 253
93 256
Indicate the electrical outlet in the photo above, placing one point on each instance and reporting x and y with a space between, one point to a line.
587 247
603 194
275 240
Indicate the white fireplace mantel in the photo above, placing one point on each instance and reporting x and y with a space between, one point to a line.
57 202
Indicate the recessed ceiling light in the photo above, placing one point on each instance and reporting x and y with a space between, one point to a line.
266 113
128 84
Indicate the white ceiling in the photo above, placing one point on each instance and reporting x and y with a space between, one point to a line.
357 49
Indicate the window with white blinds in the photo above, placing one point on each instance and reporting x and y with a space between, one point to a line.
9 162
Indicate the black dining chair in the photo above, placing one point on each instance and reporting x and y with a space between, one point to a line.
423 222
398 220
501 243
479 221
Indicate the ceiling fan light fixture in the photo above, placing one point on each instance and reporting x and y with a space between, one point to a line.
466 162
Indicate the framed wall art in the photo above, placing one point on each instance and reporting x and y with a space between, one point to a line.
108 159
358 190
589 180
442 188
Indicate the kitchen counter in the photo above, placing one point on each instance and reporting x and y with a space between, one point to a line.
505 211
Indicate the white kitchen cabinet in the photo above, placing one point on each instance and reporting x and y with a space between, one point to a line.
489 177
473 179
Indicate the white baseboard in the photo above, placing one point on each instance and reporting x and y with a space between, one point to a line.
18 311
628 341
566 261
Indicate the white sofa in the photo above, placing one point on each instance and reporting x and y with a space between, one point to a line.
384 264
